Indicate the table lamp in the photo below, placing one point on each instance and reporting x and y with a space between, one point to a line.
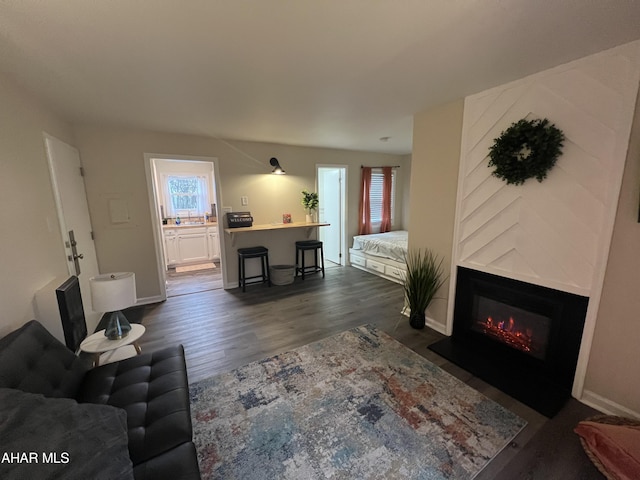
111 293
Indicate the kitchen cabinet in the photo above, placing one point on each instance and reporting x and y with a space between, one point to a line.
170 247
191 244
213 243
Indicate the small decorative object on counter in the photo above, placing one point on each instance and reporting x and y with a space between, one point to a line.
178 220
239 219
286 218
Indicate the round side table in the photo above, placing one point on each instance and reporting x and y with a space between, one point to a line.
97 343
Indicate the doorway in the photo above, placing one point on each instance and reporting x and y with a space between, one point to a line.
332 186
184 195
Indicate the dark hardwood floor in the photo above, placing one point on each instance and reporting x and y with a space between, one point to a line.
193 282
225 329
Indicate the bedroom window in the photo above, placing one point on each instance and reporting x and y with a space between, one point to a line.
375 196
377 199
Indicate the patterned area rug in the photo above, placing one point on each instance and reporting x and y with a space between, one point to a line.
358 405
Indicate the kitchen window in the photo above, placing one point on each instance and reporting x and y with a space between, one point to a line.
186 195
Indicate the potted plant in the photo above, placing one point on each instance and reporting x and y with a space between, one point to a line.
421 282
310 204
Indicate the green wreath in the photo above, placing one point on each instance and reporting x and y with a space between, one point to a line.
528 148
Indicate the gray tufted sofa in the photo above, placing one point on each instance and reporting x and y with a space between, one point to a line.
151 388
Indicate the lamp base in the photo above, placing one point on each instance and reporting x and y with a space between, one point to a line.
118 326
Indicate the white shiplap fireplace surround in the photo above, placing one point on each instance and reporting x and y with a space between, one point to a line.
556 233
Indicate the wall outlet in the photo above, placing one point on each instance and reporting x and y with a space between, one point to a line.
244 200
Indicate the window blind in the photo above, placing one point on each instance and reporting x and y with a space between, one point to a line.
375 195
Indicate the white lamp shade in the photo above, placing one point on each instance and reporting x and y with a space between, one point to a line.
113 291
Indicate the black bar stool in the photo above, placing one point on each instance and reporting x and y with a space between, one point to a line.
301 247
253 252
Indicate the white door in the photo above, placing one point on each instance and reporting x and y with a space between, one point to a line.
331 193
73 216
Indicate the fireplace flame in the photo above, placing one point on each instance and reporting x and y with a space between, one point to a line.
508 333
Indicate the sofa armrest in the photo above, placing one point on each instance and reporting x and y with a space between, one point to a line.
34 361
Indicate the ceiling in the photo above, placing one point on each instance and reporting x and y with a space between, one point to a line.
327 73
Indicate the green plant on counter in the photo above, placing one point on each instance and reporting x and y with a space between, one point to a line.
422 280
310 201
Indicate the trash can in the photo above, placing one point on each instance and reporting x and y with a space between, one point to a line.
282 274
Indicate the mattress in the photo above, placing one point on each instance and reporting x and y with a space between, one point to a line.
391 245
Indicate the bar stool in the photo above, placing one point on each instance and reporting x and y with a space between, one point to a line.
301 247
253 252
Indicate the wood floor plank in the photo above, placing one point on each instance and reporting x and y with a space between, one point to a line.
224 329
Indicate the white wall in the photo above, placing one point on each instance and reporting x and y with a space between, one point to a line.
434 175
556 233
31 249
404 191
614 364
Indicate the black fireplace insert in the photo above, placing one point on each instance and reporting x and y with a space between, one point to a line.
520 337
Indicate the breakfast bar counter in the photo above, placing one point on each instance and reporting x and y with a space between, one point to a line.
274 226
278 238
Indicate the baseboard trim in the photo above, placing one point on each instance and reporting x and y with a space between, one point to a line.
429 322
607 406
149 300
438 327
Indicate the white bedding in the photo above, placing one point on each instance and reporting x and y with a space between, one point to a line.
391 245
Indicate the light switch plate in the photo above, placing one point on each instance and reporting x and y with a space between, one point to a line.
244 200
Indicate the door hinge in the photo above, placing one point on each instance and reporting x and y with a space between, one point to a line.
81 172
92 235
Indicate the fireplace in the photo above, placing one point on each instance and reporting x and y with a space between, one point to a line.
522 338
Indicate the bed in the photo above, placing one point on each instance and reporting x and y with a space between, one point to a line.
382 254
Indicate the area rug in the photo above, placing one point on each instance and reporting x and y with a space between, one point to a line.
195 268
357 405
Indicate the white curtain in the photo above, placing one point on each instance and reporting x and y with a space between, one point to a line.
203 196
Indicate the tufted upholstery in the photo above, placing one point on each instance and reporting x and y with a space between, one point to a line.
34 361
152 388
171 465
